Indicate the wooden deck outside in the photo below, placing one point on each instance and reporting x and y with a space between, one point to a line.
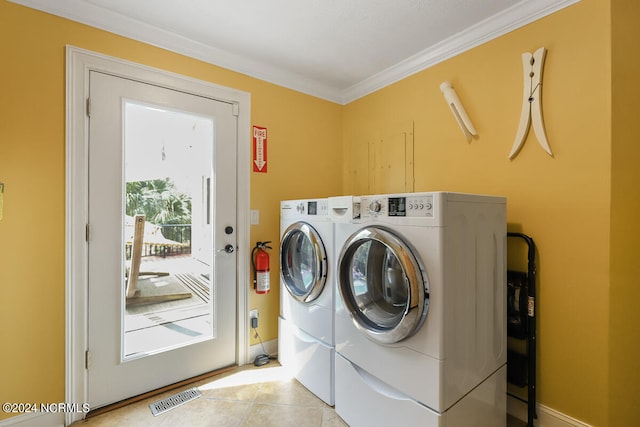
152 327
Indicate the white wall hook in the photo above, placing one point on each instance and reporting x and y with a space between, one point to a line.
531 102
458 110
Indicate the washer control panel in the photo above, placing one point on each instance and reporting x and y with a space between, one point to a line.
413 206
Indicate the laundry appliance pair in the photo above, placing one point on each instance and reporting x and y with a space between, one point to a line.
393 306
420 322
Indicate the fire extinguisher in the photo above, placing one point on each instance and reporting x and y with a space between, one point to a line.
260 264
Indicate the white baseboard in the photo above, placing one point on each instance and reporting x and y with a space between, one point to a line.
547 417
35 419
270 347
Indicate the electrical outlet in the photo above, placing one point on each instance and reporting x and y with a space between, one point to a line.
253 318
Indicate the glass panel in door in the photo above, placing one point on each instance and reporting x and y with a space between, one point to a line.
167 235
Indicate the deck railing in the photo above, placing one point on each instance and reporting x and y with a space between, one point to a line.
178 238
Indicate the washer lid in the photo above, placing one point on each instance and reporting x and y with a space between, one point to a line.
303 262
382 285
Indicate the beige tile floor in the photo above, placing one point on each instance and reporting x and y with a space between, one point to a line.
246 396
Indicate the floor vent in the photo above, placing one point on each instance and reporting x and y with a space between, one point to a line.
164 405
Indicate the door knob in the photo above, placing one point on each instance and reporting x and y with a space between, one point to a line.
228 249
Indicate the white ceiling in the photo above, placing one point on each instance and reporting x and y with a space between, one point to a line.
338 50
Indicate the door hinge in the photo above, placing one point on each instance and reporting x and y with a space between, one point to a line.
86 359
88 107
236 109
86 232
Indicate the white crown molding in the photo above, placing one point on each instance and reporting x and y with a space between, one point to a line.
502 23
95 16
522 13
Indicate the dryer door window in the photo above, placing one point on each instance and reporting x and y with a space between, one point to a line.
383 285
303 262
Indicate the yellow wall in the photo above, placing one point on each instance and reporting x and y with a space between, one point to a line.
32 166
579 205
562 202
624 350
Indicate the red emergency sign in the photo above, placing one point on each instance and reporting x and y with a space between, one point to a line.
259 149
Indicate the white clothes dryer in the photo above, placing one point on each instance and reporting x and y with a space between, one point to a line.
306 341
421 311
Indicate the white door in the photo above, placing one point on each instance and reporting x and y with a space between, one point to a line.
170 156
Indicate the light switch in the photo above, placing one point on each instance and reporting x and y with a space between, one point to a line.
255 217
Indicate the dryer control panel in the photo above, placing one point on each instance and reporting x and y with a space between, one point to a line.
314 207
413 206
302 208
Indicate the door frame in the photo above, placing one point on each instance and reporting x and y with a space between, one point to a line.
79 62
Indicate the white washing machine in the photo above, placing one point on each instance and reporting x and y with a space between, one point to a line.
421 311
306 343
